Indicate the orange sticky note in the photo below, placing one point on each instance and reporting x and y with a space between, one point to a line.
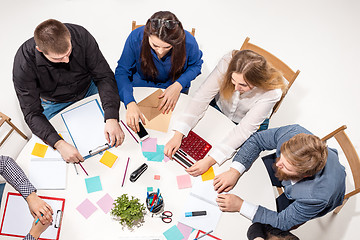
39 150
208 175
108 159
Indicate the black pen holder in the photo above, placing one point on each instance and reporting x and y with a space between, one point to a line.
157 206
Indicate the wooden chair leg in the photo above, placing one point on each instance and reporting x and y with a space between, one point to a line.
17 130
7 135
337 210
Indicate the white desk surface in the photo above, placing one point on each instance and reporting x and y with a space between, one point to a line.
254 186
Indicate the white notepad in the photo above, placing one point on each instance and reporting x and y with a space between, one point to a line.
202 198
17 220
85 125
48 173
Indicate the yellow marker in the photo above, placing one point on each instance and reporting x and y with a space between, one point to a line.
39 150
108 159
209 175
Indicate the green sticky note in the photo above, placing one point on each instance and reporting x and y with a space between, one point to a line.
150 189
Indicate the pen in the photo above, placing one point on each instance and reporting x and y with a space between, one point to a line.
194 214
125 172
129 131
37 220
77 173
204 235
83 169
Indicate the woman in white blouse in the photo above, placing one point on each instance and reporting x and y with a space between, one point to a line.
244 87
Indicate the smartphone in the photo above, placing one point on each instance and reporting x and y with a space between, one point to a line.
143 134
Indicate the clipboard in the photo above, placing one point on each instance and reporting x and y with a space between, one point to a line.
85 125
17 219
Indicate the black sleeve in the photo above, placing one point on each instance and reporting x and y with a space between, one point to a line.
103 78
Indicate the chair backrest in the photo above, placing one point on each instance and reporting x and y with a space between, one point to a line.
135 26
350 154
3 119
286 71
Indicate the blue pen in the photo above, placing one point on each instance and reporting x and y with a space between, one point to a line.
37 220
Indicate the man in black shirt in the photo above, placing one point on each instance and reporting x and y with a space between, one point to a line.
60 65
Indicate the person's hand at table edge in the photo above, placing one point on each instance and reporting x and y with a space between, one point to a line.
68 152
133 114
201 166
170 97
173 144
113 133
229 202
226 181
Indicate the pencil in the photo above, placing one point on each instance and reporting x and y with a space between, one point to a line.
83 169
127 164
77 173
129 131
204 235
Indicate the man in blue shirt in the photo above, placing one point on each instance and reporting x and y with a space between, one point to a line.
310 172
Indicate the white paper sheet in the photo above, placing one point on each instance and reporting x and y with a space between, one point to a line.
86 126
18 220
48 173
202 198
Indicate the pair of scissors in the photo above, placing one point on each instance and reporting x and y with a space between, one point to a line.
166 217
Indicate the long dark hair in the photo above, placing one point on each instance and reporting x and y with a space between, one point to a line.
175 37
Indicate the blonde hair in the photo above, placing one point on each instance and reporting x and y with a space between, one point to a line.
256 71
306 152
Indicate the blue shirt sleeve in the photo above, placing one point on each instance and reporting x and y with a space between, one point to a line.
194 61
265 140
127 64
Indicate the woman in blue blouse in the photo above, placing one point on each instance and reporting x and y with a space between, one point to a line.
162 55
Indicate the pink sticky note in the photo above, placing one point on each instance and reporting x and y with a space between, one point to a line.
185 230
166 159
149 145
106 203
86 208
157 177
184 181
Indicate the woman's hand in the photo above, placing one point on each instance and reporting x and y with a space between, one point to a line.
133 114
170 97
201 166
173 144
38 228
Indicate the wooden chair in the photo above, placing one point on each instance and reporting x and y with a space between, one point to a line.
287 72
134 26
352 158
3 119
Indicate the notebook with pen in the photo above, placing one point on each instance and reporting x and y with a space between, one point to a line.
85 125
193 148
17 219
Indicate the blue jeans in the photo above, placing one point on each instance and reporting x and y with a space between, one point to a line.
51 108
263 126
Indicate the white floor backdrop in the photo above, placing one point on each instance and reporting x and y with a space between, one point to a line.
320 38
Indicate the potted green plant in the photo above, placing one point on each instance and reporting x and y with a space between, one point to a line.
129 212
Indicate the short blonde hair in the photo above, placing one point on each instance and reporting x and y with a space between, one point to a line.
306 152
256 71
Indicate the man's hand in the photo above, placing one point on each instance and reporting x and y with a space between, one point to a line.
229 202
226 180
170 97
133 114
39 208
38 228
68 152
201 166
113 132
173 144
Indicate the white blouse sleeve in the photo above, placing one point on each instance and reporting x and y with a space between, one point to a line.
248 125
203 96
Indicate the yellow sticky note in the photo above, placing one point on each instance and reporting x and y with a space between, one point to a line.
108 159
208 175
39 150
